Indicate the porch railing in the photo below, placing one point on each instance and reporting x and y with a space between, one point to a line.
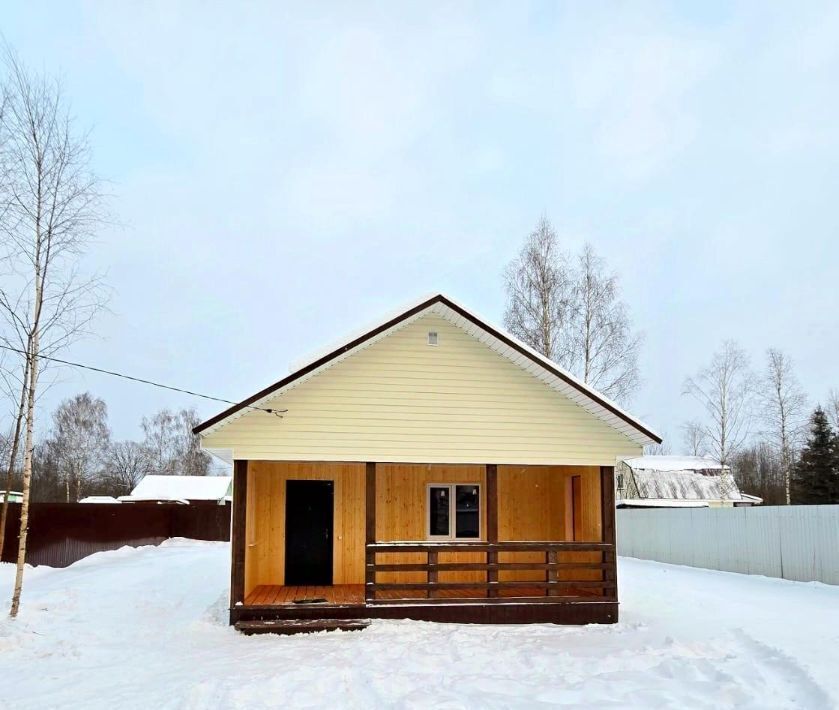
563 575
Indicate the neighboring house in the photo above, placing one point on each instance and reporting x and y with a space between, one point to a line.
99 499
14 496
184 490
677 482
433 467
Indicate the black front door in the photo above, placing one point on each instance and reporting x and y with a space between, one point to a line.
308 532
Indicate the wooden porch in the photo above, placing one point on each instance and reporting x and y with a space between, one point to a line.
479 581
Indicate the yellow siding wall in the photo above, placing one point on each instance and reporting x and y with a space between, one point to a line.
401 400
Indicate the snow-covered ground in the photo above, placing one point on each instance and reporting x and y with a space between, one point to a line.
145 628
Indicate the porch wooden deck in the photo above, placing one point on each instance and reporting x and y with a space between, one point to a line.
353 594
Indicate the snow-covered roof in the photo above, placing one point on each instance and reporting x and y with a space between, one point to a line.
154 499
674 463
661 503
180 488
680 478
549 372
99 499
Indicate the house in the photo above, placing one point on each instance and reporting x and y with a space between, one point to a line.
14 496
432 467
677 482
183 490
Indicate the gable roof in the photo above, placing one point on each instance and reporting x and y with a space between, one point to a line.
503 343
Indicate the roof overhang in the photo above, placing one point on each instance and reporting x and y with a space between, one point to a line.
503 343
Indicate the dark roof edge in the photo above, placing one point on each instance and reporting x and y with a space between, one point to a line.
439 298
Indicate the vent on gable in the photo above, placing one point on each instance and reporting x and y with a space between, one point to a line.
432 337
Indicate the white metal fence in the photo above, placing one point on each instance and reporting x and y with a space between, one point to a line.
799 542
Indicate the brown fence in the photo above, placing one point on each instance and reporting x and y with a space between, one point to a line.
62 533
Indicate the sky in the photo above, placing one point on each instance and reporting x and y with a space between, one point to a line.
283 174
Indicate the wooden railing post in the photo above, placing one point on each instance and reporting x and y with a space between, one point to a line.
432 572
551 576
607 505
492 525
370 531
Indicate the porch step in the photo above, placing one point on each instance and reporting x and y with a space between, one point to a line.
299 626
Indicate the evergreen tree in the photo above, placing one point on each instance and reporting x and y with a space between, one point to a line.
816 476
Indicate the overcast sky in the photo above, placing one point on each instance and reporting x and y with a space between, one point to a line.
284 175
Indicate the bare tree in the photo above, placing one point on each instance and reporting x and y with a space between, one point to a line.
539 283
171 446
574 316
12 451
726 390
783 410
695 438
50 205
605 349
662 449
125 465
81 439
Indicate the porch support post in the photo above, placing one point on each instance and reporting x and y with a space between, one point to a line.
607 512
370 530
492 522
238 534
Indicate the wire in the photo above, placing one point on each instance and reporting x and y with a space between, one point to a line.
276 412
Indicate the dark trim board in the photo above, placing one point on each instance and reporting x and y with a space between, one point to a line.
439 298
238 532
497 613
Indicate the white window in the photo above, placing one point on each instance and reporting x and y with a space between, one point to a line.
432 337
454 511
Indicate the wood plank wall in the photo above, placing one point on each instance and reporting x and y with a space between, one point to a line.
533 504
401 511
265 556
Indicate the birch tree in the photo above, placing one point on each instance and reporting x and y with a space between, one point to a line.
604 346
539 284
725 389
51 205
81 439
694 438
783 411
572 315
13 449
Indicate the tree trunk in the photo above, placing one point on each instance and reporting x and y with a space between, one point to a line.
27 472
13 457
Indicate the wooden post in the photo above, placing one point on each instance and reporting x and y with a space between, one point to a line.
551 576
607 512
370 531
432 572
238 534
492 523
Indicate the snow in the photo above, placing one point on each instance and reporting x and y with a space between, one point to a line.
661 503
99 499
180 488
682 477
674 463
145 627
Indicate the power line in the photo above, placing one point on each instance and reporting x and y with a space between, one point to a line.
276 412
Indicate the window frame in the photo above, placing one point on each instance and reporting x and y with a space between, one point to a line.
452 536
